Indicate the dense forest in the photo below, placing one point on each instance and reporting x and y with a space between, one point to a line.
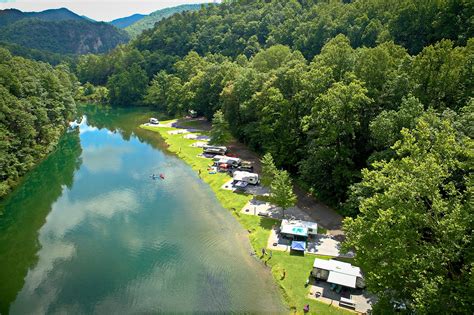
368 103
39 55
36 102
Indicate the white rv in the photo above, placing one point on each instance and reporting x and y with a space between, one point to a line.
210 149
250 178
232 161
309 228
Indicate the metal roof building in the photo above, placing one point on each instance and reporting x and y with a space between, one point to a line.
338 272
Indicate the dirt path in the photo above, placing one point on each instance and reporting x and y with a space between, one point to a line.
324 215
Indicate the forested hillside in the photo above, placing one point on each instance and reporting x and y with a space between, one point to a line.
368 103
39 55
150 20
58 31
36 101
64 37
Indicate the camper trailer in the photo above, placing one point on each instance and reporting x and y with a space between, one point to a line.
250 178
216 150
222 159
231 161
309 228
217 158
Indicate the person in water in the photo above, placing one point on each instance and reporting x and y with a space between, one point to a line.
154 176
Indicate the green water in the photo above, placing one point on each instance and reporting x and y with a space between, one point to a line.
89 232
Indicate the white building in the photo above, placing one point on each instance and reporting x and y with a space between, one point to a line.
338 272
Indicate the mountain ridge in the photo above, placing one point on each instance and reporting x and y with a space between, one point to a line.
127 20
64 36
150 20
10 16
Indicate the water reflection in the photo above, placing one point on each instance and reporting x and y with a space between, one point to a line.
123 121
24 212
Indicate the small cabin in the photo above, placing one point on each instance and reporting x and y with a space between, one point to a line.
338 272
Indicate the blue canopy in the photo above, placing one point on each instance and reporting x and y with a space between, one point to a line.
298 245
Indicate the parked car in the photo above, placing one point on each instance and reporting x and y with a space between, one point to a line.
154 121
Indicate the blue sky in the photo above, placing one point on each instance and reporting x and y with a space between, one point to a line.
100 10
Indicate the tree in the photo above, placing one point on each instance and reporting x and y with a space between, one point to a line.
128 87
338 55
164 93
442 74
269 170
335 126
413 236
282 194
220 129
385 128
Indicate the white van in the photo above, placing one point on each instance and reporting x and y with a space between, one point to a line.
154 121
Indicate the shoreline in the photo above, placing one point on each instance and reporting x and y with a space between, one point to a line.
292 289
21 179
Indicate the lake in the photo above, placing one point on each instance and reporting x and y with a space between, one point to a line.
88 231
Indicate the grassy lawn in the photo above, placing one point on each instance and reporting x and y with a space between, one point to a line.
297 267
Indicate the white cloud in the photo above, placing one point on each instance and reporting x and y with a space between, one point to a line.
67 214
104 158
